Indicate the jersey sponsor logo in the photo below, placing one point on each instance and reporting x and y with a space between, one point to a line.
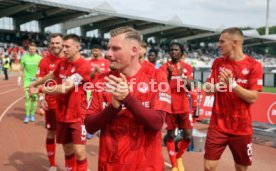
243 81
165 97
260 82
245 71
221 69
145 103
271 113
105 104
142 87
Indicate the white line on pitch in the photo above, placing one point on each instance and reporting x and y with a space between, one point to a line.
5 92
8 85
9 107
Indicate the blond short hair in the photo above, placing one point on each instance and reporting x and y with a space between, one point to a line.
130 33
234 31
144 44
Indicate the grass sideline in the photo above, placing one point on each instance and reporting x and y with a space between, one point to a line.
269 89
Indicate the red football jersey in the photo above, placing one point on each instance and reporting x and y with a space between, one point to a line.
194 96
126 144
180 101
148 67
231 114
102 64
72 106
47 65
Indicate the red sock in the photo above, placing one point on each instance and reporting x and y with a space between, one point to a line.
51 151
171 151
182 146
71 162
82 165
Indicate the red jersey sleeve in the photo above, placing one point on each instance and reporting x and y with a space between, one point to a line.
42 68
162 97
85 72
256 78
164 69
189 72
212 77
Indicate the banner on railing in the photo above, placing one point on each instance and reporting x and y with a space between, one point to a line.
263 110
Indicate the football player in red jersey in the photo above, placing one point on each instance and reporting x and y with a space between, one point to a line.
179 75
99 64
72 72
127 109
149 67
47 65
235 81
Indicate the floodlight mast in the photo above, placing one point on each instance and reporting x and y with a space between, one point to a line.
267 18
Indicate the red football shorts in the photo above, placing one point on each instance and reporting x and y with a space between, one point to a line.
240 146
74 132
180 121
50 118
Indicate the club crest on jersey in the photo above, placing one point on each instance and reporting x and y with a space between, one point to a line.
245 71
73 70
143 88
221 68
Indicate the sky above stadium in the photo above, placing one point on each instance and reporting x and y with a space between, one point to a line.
214 14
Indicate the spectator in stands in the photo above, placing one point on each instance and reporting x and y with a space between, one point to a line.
179 75
6 66
130 122
235 81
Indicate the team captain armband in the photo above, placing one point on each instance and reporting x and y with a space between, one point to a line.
165 97
76 78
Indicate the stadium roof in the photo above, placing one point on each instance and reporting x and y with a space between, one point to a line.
105 18
48 13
